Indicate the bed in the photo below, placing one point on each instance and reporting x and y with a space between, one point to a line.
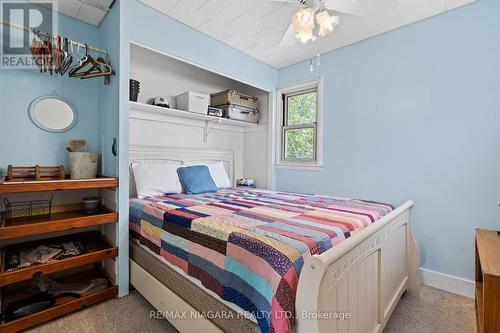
268 261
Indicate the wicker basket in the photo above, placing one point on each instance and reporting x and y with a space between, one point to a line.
27 208
232 97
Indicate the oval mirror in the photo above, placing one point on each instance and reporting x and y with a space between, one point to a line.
52 114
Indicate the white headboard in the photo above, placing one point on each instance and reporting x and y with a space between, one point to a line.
177 155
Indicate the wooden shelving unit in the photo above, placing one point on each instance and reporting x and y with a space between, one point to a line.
487 281
29 226
57 185
13 283
98 249
63 306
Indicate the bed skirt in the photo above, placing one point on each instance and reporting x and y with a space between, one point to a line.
190 292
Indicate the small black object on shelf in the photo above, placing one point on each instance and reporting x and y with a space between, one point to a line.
134 88
91 205
33 304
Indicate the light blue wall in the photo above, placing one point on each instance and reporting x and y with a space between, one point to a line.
21 142
415 114
108 97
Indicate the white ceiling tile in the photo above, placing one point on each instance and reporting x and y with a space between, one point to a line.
452 4
69 7
239 43
90 14
102 4
161 5
186 12
215 30
232 9
416 10
92 11
256 26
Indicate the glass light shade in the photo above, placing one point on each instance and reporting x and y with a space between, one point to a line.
326 23
303 24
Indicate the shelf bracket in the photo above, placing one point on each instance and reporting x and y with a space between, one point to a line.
207 129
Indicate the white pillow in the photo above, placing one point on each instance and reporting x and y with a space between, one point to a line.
218 173
156 179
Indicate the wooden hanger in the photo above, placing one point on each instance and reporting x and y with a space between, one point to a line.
106 71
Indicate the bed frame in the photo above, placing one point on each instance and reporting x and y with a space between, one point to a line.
353 287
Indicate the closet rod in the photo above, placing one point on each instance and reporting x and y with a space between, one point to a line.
46 34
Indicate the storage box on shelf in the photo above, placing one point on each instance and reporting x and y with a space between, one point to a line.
237 106
232 97
240 113
193 102
96 249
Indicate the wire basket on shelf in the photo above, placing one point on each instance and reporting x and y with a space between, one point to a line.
27 208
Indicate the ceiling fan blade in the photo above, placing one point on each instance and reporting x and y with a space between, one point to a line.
341 6
378 8
288 38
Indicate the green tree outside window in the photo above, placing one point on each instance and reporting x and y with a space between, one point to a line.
300 126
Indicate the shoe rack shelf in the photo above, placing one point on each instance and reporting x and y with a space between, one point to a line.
76 269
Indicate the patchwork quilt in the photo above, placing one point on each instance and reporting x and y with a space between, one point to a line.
248 246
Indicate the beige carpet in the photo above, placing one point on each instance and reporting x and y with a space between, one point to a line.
433 311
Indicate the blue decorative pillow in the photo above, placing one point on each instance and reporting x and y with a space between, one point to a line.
196 179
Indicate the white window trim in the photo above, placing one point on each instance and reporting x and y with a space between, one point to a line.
316 83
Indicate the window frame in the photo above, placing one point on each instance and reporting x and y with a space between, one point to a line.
285 127
284 92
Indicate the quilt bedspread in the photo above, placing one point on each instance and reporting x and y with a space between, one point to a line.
248 246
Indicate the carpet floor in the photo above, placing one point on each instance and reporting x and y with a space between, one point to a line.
433 311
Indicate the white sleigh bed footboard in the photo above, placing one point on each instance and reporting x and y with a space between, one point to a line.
355 286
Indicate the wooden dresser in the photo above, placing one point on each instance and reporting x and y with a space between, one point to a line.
77 269
487 281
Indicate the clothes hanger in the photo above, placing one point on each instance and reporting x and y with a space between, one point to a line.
85 61
48 55
106 72
59 54
95 69
64 55
36 48
73 55
102 69
68 60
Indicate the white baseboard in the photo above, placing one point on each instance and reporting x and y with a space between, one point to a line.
447 282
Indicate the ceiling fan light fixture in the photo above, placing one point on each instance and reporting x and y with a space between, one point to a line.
303 24
326 22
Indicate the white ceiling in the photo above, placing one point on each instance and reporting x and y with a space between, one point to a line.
88 11
257 26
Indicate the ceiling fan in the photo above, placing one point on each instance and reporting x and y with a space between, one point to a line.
303 25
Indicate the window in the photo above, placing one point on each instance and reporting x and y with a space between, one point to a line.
299 126
300 130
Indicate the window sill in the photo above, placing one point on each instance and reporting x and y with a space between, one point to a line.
303 167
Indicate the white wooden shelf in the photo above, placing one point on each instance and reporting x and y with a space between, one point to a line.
168 112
